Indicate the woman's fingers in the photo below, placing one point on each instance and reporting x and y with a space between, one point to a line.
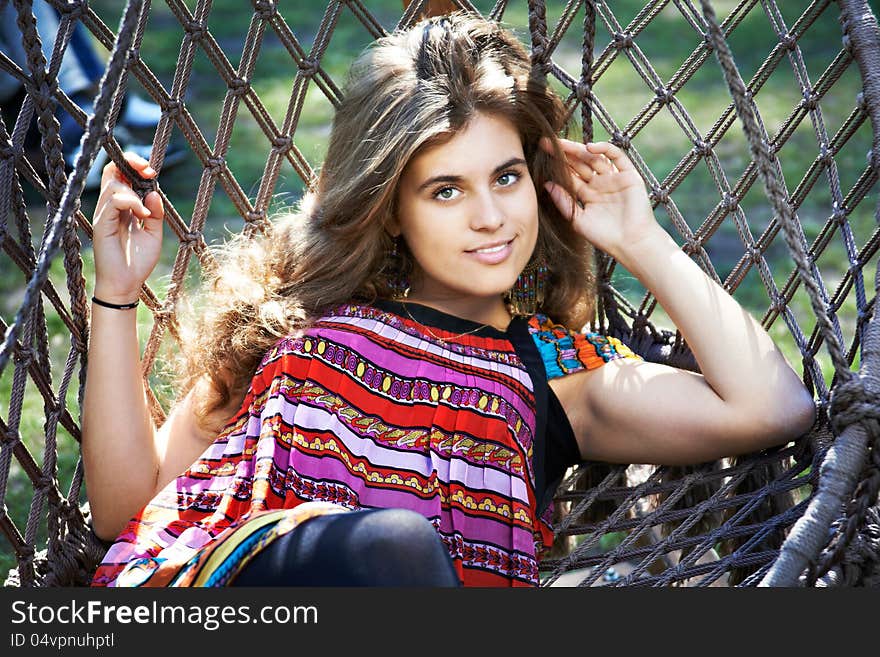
153 222
139 164
562 199
601 157
117 195
121 212
153 203
109 174
570 205
112 173
116 201
612 153
581 189
581 157
582 162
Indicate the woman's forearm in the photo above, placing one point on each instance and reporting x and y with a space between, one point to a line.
737 357
118 436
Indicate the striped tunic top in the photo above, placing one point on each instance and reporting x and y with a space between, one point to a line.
371 408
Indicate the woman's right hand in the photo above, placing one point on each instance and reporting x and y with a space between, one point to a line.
126 234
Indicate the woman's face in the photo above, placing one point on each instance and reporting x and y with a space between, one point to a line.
469 214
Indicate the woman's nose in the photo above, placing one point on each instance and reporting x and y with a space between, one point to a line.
488 214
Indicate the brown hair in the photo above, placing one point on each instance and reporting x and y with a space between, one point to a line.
410 89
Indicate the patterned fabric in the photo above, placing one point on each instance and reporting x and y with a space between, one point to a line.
368 409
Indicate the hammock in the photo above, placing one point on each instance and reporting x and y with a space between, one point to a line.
803 514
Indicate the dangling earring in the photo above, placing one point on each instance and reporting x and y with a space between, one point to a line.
396 271
528 292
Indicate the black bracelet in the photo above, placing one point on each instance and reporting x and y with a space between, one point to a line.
116 306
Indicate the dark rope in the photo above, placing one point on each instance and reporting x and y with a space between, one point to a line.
809 534
90 144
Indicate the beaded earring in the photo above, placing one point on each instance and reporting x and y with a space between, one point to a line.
396 271
528 292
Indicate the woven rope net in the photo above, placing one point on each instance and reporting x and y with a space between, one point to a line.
805 238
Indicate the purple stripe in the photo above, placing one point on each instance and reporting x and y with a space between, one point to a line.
421 344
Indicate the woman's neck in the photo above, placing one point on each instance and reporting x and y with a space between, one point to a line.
489 311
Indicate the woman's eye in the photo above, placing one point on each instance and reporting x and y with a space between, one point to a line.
445 193
507 178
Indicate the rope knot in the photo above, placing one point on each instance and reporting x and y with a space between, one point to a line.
754 254
582 91
265 9
852 402
702 147
664 95
788 41
620 139
811 100
660 194
239 87
216 165
46 91
730 202
691 246
707 42
173 107
191 237
282 143
44 484
873 160
623 40
7 151
76 10
195 30
861 103
777 304
132 55
308 66
826 157
163 315
24 356
639 323
255 216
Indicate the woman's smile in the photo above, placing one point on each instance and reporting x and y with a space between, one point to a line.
493 254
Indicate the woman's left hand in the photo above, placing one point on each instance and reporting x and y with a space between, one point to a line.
613 210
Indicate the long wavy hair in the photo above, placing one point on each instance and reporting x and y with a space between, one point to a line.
411 89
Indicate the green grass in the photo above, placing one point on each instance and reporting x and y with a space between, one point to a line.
662 144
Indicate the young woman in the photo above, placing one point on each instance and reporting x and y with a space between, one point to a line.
388 387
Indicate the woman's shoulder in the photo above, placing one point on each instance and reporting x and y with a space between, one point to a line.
565 350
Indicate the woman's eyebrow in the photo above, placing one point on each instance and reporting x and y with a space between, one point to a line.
448 178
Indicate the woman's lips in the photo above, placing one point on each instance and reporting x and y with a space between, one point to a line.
492 255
